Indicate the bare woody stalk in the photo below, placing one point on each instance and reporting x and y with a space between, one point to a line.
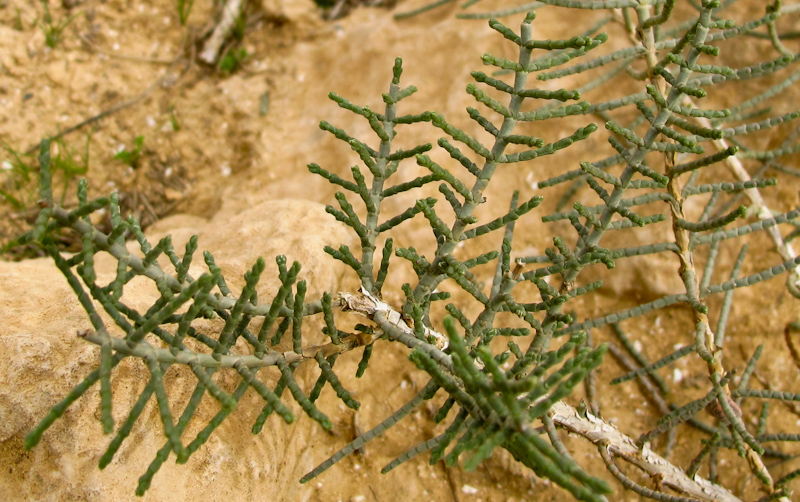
592 428
231 15
622 446
707 349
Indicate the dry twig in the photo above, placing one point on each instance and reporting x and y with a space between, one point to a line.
231 13
624 447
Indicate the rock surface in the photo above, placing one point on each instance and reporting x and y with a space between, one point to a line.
43 360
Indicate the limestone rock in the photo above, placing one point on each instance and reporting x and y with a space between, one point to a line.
43 360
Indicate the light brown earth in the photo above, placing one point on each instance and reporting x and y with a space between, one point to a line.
237 177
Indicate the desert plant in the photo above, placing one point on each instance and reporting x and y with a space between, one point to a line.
19 174
233 60
507 395
21 180
52 30
184 9
131 157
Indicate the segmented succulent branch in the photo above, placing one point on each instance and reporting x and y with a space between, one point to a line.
494 407
672 130
489 399
166 333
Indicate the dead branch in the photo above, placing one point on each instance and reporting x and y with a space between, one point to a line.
624 447
231 13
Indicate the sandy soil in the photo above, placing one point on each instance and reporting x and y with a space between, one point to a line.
224 157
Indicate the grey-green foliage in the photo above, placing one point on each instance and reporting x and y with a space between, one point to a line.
489 399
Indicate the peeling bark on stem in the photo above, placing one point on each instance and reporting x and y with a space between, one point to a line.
624 447
564 416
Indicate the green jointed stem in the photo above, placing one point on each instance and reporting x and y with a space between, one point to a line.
297 318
